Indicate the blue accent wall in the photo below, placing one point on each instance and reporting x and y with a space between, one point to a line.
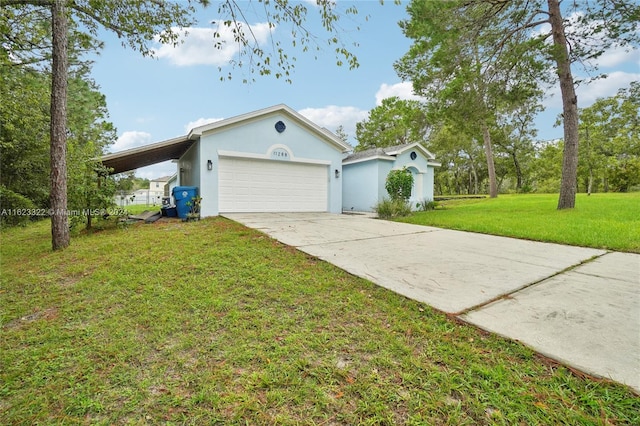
364 181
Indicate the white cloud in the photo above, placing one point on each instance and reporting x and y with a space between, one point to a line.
198 46
588 93
333 116
131 139
403 90
199 122
604 87
618 55
166 168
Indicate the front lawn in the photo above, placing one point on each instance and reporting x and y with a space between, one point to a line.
607 221
212 323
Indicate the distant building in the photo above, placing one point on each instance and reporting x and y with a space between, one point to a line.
151 196
156 190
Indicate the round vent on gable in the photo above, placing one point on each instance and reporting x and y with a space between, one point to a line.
280 127
413 155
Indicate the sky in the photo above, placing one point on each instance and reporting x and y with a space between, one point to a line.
155 99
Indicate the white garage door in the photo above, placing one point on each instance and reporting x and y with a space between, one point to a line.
248 185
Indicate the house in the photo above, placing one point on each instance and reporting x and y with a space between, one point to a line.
156 189
268 160
276 160
365 174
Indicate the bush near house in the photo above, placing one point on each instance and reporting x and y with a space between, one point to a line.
399 184
389 208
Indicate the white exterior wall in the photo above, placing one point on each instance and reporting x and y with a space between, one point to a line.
257 138
173 182
156 191
189 167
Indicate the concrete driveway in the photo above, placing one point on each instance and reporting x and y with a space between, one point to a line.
580 306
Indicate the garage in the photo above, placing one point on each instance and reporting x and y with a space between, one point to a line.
255 185
269 160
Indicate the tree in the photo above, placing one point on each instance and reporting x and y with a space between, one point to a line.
60 236
139 23
467 82
515 138
460 156
117 16
595 25
24 126
342 134
547 167
610 131
395 122
89 134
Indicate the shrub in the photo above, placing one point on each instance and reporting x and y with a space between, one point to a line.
426 205
399 184
389 208
15 209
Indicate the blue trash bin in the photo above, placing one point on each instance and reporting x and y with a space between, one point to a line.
183 195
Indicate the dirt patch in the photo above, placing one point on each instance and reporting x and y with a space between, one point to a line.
48 314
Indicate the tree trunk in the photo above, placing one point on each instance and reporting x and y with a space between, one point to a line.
516 164
491 169
567 199
58 133
473 189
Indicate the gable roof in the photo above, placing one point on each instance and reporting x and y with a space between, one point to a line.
173 149
321 132
161 179
389 153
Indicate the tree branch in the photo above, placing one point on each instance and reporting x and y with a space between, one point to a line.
96 18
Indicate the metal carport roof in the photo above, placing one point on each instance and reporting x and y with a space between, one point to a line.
147 155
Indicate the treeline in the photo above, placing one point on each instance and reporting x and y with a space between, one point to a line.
25 89
609 156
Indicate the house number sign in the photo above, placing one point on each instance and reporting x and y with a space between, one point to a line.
280 154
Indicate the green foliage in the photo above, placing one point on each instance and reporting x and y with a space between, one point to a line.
24 126
447 63
426 205
447 67
276 61
625 174
24 130
399 184
395 122
547 168
15 209
610 141
390 208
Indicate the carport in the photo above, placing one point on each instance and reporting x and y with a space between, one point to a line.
143 156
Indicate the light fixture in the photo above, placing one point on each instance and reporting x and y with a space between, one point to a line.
337 172
209 165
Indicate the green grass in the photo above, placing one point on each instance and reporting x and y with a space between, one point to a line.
212 323
608 221
139 208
